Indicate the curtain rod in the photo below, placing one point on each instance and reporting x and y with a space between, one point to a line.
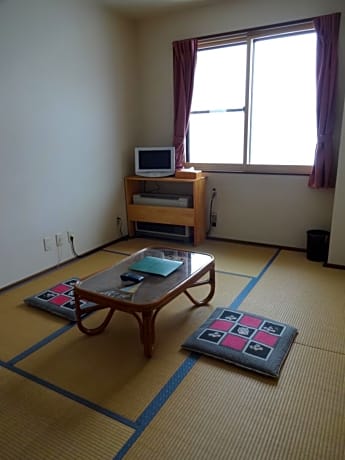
280 24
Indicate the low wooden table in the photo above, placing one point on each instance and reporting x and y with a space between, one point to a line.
105 290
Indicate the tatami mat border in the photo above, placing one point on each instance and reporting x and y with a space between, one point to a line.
112 251
254 280
243 275
68 394
41 343
156 404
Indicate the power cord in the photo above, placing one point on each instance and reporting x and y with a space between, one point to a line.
119 226
71 242
213 196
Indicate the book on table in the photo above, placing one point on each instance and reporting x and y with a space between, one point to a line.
156 265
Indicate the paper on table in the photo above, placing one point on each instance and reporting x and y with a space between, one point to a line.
156 265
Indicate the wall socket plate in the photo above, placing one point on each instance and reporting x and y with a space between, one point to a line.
59 239
48 243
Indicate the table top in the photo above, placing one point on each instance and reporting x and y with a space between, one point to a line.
154 289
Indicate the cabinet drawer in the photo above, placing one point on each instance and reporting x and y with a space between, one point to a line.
162 215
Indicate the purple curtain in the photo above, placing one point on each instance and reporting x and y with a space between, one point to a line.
327 29
184 61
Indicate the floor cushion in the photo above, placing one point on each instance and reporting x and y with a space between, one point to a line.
244 339
58 299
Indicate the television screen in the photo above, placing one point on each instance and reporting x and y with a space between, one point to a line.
155 161
148 159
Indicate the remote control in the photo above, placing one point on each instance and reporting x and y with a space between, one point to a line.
133 277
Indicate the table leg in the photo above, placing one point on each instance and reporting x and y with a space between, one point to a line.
79 316
147 332
211 281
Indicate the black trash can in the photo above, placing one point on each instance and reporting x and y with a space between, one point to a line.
317 245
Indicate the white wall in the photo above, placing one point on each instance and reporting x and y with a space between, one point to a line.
337 241
268 209
257 208
69 94
66 128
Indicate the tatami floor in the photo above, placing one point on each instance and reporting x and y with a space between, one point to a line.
64 395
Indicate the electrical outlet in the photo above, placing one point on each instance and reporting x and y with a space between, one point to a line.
214 219
59 239
48 243
118 220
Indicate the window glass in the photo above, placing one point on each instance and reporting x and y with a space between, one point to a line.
216 137
254 102
283 123
220 78
216 121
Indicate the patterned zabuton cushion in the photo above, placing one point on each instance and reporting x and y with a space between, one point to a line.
244 339
58 300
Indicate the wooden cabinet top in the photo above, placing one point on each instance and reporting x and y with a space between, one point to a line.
163 179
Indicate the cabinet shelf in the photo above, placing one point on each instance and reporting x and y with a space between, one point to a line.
194 217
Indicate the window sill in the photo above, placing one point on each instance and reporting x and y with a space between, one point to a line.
252 169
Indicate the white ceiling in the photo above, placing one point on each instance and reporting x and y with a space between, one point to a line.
147 7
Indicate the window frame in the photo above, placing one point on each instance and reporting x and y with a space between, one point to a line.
249 36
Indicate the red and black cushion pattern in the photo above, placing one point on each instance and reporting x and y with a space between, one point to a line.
244 339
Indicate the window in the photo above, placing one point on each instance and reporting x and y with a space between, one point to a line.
254 102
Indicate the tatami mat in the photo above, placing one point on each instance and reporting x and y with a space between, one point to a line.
238 258
130 245
242 259
81 397
37 423
222 412
22 326
110 369
305 294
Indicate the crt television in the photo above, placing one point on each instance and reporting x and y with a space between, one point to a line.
154 161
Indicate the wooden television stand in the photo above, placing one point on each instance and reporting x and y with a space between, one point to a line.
194 217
